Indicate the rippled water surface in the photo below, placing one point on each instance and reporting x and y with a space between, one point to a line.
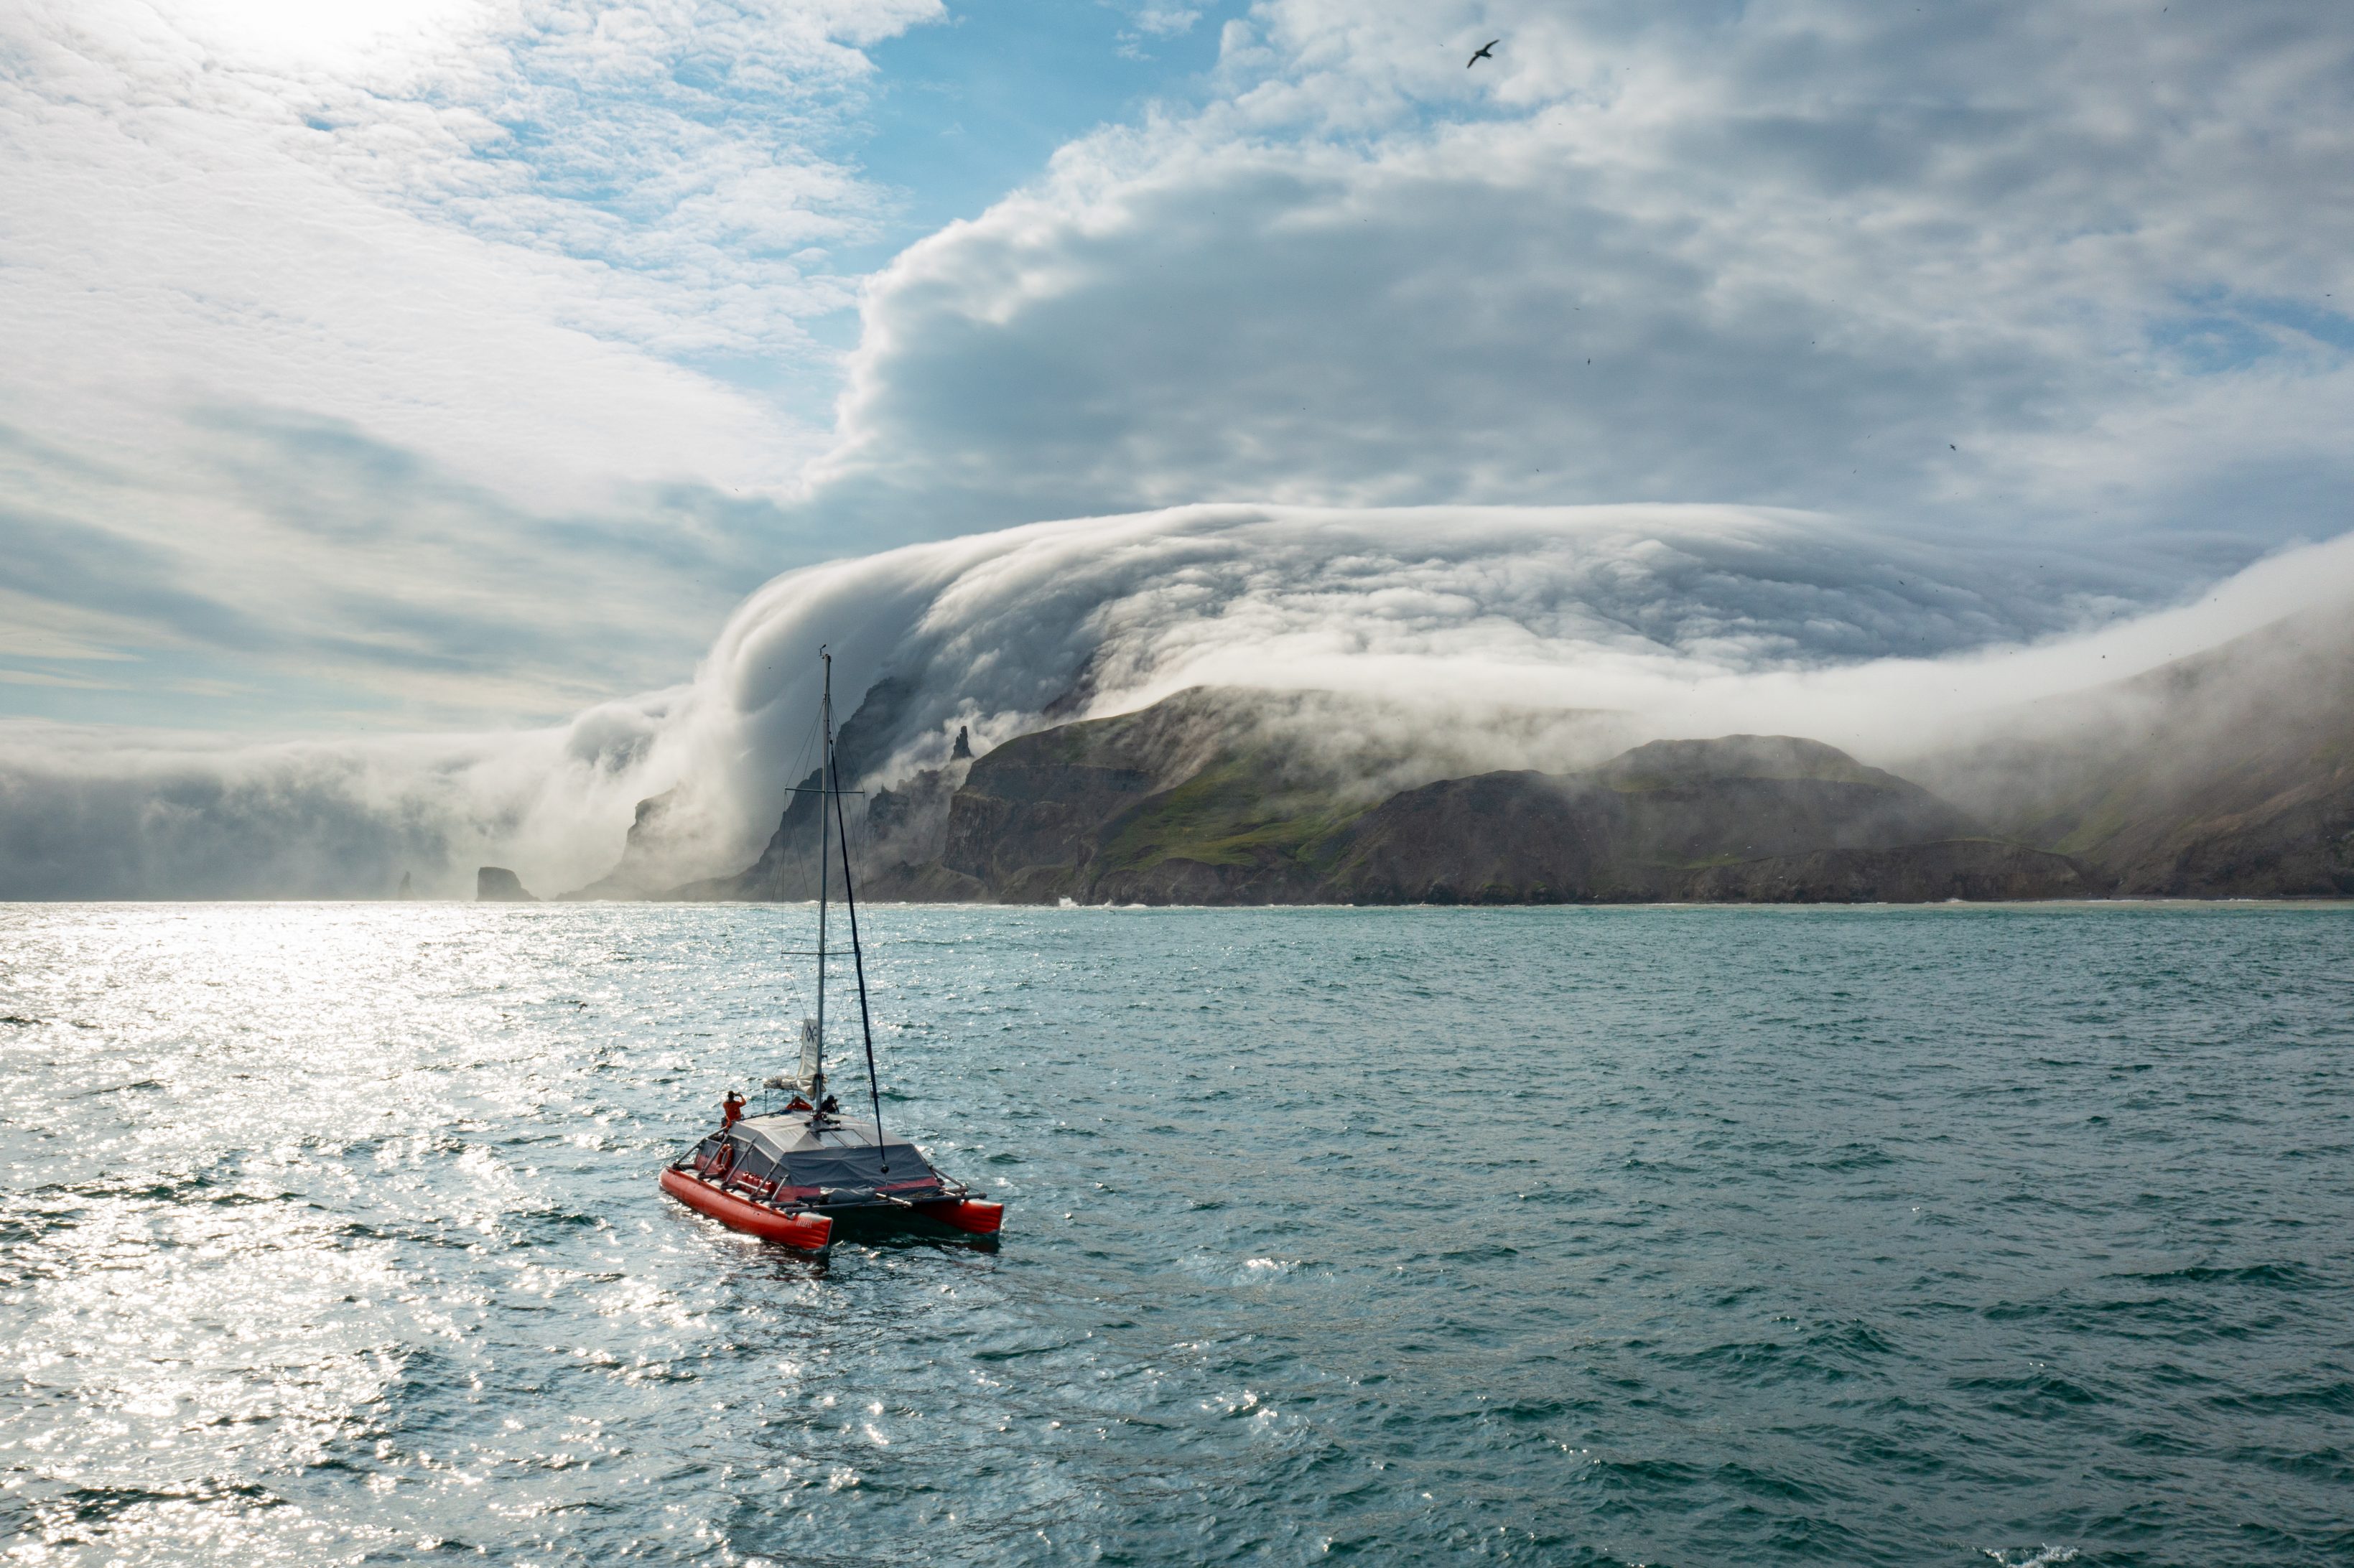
1584 1236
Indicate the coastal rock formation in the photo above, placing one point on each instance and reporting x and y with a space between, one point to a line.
788 866
1640 826
642 870
497 885
1137 809
2228 774
1975 870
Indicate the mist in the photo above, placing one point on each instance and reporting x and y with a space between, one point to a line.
1460 638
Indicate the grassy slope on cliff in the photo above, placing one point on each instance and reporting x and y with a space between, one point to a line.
1187 804
1229 814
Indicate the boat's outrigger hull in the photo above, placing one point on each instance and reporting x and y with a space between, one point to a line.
810 1229
976 1216
798 1228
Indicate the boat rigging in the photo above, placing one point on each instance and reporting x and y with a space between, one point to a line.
787 1174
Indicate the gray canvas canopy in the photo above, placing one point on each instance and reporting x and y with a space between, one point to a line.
842 1158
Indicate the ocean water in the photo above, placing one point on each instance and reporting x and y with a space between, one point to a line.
1630 1236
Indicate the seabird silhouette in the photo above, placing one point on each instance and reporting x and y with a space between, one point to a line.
1483 54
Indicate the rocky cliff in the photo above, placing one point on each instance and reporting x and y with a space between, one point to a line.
2230 773
1090 811
788 866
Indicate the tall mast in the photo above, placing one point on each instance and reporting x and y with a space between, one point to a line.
858 961
825 777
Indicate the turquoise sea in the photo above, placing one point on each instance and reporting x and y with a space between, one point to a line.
1625 1236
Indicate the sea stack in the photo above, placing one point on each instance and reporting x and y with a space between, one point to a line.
497 885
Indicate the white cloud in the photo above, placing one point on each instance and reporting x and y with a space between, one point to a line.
1166 21
102 814
1688 621
1968 270
493 243
386 356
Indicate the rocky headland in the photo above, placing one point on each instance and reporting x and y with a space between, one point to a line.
1197 800
2228 774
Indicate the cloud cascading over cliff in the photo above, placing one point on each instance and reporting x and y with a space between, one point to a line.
1686 621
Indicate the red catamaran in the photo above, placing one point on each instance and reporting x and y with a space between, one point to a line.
787 1173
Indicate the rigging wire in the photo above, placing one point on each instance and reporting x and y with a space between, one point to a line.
858 958
789 995
825 759
863 843
820 737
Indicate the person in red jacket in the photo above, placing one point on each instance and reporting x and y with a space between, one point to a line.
731 1110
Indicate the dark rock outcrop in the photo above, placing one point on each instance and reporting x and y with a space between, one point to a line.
1498 838
901 842
1034 813
497 885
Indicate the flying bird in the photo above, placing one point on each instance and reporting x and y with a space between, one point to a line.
1484 53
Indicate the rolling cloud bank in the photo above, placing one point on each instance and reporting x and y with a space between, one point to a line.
1675 621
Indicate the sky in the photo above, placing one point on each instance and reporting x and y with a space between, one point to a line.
465 369
429 362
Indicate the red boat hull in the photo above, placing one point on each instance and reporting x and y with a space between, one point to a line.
808 1231
972 1215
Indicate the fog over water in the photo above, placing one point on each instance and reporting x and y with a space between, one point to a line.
1682 621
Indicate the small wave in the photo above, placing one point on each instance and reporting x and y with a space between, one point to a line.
1854 1338
125 1089
2337 1398
2031 1557
2278 1276
1852 1156
2033 1392
103 1505
1229 1271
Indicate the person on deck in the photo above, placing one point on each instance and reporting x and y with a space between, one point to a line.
731 1110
